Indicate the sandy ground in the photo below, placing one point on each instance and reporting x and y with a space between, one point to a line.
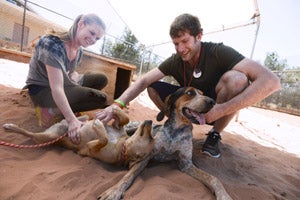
260 157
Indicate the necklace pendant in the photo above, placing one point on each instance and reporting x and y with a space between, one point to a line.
197 73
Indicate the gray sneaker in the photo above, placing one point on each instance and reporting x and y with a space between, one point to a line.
211 144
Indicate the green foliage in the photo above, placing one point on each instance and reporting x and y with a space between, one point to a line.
289 94
127 48
273 62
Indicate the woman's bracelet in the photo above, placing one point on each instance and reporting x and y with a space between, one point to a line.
119 102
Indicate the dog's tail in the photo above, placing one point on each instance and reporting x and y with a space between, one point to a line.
15 128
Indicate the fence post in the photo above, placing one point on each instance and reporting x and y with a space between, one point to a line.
23 25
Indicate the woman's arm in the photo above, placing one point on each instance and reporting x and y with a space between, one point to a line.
55 76
75 76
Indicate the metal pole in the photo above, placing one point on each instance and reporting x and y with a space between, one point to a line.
142 60
23 25
255 17
103 45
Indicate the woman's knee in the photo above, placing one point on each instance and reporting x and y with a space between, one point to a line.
96 81
101 80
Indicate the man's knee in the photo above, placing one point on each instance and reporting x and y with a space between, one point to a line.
154 96
151 91
232 83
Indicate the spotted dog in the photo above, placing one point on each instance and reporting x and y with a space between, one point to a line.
173 141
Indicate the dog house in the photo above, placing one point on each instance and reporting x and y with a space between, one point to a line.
119 74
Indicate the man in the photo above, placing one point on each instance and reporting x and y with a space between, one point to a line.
222 73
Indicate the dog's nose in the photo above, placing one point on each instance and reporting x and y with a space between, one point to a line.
211 102
148 122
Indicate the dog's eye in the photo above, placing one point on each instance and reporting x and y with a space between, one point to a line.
191 93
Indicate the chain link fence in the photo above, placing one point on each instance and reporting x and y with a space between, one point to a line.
287 99
21 27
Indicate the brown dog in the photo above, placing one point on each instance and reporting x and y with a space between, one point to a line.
104 143
173 141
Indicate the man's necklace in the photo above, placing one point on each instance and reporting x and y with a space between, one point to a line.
196 72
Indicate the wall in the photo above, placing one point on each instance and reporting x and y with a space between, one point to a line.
11 14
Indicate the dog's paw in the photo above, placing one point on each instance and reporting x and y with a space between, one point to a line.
7 126
113 193
98 122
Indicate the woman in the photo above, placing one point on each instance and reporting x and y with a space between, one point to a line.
55 88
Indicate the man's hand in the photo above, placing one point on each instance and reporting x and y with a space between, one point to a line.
108 114
214 114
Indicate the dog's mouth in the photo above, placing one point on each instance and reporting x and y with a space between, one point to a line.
194 116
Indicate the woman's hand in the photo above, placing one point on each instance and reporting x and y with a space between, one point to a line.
73 131
75 77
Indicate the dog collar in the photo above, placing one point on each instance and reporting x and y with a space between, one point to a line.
122 157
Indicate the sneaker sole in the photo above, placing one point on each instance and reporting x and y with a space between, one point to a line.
209 154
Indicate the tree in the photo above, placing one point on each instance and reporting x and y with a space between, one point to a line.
273 62
127 48
289 95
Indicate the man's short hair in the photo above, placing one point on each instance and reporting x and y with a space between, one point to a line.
185 23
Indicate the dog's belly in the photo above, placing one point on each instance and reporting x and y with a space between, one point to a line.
113 135
110 153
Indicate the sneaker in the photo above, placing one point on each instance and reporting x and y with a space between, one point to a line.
46 118
211 144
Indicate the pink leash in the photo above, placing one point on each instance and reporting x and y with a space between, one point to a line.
21 146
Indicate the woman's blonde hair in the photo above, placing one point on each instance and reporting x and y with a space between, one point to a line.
70 35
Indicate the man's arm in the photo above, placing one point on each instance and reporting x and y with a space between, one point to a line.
262 83
141 84
130 93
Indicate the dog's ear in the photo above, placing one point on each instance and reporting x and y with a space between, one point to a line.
160 116
165 111
169 105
